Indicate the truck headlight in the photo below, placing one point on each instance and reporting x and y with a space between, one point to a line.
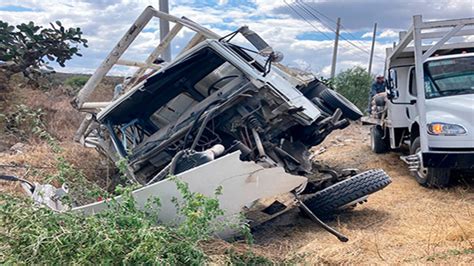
446 129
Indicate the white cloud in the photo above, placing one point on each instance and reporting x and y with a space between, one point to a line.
268 5
388 34
105 21
367 34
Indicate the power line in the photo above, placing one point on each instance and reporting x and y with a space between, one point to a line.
330 19
301 5
342 37
312 25
301 16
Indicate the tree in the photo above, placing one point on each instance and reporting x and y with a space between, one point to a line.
354 84
25 47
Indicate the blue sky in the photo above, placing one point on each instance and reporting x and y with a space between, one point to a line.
307 43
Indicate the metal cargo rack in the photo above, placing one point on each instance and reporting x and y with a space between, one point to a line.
442 35
114 58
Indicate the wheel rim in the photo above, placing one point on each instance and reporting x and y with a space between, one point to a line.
422 171
372 141
351 105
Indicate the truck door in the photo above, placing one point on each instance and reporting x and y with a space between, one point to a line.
411 110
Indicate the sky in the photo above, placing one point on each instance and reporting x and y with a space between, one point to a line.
302 30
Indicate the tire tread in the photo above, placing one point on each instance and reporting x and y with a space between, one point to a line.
346 191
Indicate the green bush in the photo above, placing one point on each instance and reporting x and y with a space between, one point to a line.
354 84
25 122
28 45
76 82
123 234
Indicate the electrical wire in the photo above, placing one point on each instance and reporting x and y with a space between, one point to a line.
307 21
303 4
329 28
330 19
312 25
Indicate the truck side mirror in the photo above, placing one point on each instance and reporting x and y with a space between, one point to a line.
392 91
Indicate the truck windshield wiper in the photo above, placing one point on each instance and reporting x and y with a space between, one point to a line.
457 92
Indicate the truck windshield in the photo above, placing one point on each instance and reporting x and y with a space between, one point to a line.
446 77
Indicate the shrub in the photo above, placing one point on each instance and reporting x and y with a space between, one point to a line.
27 45
354 84
25 122
76 82
122 234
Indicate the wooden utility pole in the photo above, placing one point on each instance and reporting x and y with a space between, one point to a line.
334 53
164 29
372 49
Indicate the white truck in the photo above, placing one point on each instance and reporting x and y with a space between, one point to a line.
429 103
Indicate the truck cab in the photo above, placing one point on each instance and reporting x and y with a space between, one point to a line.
429 103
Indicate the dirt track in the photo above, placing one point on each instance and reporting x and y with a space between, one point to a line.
404 223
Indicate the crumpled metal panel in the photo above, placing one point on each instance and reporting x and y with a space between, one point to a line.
242 184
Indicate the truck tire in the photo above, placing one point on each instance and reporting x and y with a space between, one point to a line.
378 143
313 89
322 106
347 191
336 100
429 176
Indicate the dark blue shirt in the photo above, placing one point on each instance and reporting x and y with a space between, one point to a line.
377 87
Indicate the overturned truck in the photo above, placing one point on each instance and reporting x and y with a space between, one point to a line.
220 114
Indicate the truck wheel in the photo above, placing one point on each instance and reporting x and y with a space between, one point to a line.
313 89
428 176
347 192
336 100
378 143
322 106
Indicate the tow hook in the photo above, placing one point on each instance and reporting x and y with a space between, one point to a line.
315 219
413 161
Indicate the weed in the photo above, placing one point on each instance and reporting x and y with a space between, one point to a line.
74 84
25 121
81 190
123 233
449 253
247 258
198 209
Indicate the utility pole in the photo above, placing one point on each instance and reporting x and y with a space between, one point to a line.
334 53
164 29
372 49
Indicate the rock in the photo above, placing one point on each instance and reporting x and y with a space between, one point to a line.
321 150
18 147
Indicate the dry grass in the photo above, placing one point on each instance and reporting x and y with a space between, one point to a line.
61 122
404 223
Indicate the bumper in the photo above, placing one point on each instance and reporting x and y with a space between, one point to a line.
449 160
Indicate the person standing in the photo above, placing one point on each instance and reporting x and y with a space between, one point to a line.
378 86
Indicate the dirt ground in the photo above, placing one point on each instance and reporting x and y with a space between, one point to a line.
402 224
